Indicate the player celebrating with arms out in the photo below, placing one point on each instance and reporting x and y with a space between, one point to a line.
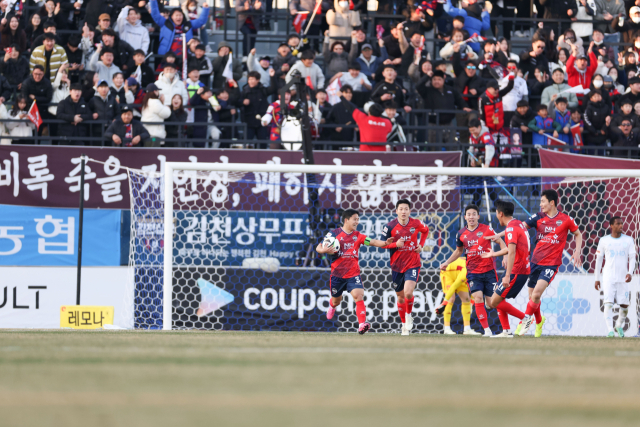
517 266
405 258
481 272
620 253
552 228
345 271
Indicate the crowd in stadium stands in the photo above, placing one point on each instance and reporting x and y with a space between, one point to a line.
112 72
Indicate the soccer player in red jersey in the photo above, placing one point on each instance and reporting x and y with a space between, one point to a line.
481 272
405 258
345 271
552 228
517 268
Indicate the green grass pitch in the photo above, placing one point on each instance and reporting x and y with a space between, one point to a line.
157 379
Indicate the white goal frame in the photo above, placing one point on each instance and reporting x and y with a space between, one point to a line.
170 167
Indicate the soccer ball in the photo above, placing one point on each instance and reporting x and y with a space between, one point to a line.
331 242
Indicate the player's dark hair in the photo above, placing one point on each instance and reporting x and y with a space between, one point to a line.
348 214
403 202
507 208
474 123
551 195
613 219
472 207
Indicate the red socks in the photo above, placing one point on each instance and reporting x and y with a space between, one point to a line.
509 309
409 303
481 312
504 320
534 309
401 311
361 311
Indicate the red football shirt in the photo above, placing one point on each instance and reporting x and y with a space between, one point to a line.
551 237
516 233
475 244
404 258
486 139
372 129
344 264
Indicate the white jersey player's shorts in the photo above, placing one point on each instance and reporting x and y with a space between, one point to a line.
616 292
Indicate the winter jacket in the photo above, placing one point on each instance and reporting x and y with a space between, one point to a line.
554 89
392 88
18 127
547 124
258 103
614 7
7 37
557 9
200 115
15 70
528 63
67 110
628 29
583 79
474 22
167 29
618 139
121 95
60 92
206 69
446 99
156 111
617 119
148 75
95 8
119 128
176 131
466 52
518 120
314 72
104 72
42 90
595 121
334 62
341 21
122 54
58 57
584 29
254 65
218 65
171 88
279 61
107 109
137 36
340 114
491 109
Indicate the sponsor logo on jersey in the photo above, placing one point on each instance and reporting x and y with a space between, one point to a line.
549 229
355 238
479 234
412 230
385 229
558 222
471 243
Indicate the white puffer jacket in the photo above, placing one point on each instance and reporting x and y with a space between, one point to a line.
156 111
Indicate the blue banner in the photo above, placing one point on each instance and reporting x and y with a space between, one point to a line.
49 236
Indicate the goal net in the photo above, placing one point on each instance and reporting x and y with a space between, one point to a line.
232 247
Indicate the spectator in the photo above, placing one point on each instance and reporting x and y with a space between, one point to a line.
50 11
138 94
369 63
75 57
613 74
191 10
535 58
37 88
624 135
262 66
389 89
458 45
105 68
12 33
633 95
104 107
598 40
359 39
550 93
119 90
597 118
60 87
518 93
491 108
255 102
141 71
14 67
582 73
559 10
503 52
169 84
20 125
192 83
411 51
440 97
49 28
309 70
626 113
372 126
484 150
125 131
122 51
49 55
543 125
75 112
219 64
155 111
130 28
392 43
225 112
537 85
34 29
248 11
178 114
476 19
172 28
341 21
354 78
630 27
521 119
586 11
296 6
396 135
608 11
104 23
340 115
561 115
336 59
283 61
490 69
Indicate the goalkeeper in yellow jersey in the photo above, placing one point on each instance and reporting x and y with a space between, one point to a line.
454 281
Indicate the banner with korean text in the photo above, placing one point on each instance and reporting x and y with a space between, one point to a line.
47 236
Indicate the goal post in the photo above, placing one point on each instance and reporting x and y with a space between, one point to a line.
208 281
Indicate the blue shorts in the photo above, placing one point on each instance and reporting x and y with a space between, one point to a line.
542 272
399 278
338 285
484 282
516 283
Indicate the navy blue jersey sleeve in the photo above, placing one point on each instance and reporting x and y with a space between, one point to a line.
386 231
532 221
458 241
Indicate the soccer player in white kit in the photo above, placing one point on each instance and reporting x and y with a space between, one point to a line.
619 251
